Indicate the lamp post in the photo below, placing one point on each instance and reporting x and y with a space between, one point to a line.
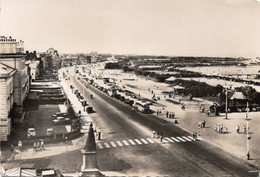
226 103
247 133
66 143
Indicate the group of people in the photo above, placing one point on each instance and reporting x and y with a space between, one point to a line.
39 145
245 129
202 124
19 146
221 129
158 135
170 115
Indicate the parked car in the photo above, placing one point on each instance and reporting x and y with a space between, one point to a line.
61 120
31 132
50 131
60 114
89 109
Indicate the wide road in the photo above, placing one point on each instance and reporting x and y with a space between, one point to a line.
119 123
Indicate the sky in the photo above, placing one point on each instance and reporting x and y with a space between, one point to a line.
219 28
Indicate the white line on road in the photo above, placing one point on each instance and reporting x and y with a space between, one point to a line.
125 142
181 139
175 139
119 143
107 146
186 138
145 142
138 142
148 139
191 138
132 142
100 146
168 139
113 144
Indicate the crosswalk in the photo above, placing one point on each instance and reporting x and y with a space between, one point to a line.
143 141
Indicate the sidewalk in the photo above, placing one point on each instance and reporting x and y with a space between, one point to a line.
55 149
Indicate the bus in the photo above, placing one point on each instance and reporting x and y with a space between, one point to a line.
142 106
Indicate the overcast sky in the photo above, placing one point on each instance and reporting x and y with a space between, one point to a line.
160 27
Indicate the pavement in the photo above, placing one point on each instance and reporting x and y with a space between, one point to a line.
231 142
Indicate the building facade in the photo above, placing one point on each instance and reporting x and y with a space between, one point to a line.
10 56
7 98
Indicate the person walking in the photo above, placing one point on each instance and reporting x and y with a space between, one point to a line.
38 145
238 128
161 137
42 145
20 145
167 114
34 146
244 128
12 147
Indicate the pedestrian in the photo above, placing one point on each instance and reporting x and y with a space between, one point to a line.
158 134
38 145
12 147
20 145
194 136
34 146
244 128
161 137
167 114
204 123
216 127
238 128
42 145
154 134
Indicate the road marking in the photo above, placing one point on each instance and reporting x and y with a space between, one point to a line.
113 144
192 138
107 146
125 142
186 138
132 142
145 142
181 139
175 139
148 139
138 142
119 143
100 146
168 139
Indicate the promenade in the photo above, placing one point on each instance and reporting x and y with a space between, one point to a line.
188 119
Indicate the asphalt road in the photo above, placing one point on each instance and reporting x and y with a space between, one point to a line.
117 121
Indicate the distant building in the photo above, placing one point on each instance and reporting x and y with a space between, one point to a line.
7 99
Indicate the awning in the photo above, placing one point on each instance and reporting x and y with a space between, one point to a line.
21 172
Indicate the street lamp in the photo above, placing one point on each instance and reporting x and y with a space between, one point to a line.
248 138
226 103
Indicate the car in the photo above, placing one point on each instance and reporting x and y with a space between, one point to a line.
31 132
89 109
60 114
61 120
